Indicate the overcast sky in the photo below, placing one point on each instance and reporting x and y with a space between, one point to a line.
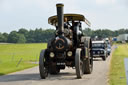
31 14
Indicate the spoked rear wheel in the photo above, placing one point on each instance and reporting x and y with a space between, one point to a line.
88 63
43 68
78 63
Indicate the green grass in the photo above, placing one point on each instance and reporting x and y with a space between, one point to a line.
10 55
117 70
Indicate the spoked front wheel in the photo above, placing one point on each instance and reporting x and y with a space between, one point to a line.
43 68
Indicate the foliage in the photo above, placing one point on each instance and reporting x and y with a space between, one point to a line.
21 39
39 35
15 37
104 33
2 38
5 37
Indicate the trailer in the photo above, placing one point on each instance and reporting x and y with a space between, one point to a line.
122 38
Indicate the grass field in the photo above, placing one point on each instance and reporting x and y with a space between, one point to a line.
14 57
117 69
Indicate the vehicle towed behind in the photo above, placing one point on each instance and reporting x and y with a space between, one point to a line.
108 49
99 49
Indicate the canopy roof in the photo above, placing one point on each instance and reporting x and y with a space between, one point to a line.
70 17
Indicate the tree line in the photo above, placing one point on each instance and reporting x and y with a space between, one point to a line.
39 35
27 36
104 33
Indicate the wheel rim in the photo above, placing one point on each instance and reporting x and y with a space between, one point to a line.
78 64
43 68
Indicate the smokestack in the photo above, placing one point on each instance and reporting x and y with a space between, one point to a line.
60 17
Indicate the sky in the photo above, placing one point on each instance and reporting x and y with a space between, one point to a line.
32 14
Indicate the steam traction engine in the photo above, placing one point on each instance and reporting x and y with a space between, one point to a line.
69 47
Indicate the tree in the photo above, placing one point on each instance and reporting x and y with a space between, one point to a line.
15 37
5 37
2 38
87 31
21 38
23 31
40 35
31 35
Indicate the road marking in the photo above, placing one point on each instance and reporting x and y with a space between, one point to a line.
126 68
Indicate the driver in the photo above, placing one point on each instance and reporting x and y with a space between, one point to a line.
66 23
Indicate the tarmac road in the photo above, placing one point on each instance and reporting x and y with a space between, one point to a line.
66 77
